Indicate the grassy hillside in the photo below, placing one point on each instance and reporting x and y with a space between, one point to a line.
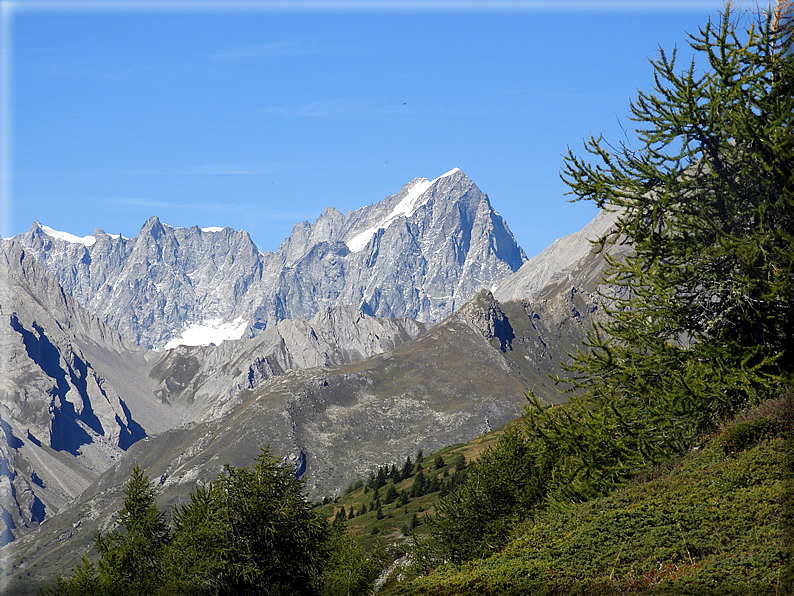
399 519
717 521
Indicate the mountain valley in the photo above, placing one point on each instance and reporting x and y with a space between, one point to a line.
343 361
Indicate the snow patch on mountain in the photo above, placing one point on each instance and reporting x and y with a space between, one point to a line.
212 229
210 332
67 237
405 208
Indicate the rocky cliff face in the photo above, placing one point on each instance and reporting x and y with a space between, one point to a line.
69 388
460 378
338 392
207 382
420 253
569 260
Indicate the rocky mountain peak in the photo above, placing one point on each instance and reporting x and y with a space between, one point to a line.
419 253
153 228
571 254
311 370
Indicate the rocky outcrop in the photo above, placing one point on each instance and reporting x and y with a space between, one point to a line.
460 378
338 394
571 256
75 396
421 253
152 287
208 381
66 403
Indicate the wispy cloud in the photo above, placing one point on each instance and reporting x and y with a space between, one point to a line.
140 202
220 170
337 107
330 107
209 170
253 210
201 170
258 51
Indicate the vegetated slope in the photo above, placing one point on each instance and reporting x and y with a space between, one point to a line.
460 379
716 521
421 253
405 514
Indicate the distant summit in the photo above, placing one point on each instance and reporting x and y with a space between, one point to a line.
420 253
415 197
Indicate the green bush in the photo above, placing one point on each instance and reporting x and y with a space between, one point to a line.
744 435
504 486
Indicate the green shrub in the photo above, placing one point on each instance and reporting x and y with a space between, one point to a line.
744 435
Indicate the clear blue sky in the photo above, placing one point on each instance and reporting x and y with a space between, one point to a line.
261 117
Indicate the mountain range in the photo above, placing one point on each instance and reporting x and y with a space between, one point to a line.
420 253
413 323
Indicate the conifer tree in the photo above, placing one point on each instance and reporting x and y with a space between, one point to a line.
199 557
380 479
394 474
504 486
84 580
391 494
250 531
340 517
418 487
705 321
131 555
407 468
349 571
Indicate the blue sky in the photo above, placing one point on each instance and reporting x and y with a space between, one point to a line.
260 115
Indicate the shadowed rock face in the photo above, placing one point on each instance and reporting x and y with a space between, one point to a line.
336 422
420 253
63 419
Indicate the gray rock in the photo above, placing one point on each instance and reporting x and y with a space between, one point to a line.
460 378
75 395
338 394
206 382
566 256
72 398
420 253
